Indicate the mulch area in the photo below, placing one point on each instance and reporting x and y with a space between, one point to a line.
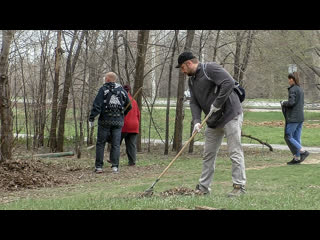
21 174
28 174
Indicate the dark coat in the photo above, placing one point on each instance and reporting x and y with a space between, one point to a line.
216 88
100 107
293 108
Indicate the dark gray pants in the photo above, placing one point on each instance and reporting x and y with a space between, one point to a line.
106 133
131 149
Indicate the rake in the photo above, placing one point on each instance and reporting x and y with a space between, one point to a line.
149 191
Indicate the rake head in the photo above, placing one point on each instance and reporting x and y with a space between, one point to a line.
147 193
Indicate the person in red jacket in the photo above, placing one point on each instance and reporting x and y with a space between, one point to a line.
130 129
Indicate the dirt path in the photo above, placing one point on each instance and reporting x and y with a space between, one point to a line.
315 159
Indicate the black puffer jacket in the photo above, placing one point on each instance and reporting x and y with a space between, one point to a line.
294 105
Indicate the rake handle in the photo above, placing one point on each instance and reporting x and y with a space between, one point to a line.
134 96
184 146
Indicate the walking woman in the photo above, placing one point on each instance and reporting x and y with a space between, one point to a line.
294 117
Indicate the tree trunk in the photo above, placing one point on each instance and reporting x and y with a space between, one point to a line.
126 60
114 51
71 63
237 64
142 43
24 97
81 125
215 48
155 89
177 143
42 93
54 116
6 115
166 145
77 139
94 77
246 56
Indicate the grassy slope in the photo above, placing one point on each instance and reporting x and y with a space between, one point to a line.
271 185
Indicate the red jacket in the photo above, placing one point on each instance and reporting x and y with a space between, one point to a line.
132 119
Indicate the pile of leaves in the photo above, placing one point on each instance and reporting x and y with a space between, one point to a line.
180 191
21 174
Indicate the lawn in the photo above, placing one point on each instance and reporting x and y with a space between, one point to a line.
271 184
267 126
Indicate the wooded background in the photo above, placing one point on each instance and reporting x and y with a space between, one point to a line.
48 72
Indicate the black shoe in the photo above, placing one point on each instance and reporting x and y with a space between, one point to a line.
293 161
303 156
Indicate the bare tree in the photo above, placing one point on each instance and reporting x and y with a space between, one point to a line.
25 105
175 45
177 142
40 110
70 67
237 65
240 67
94 70
54 112
215 48
142 43
6 115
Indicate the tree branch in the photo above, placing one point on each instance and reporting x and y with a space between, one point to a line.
260 141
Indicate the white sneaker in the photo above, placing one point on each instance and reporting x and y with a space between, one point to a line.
98 170
115 170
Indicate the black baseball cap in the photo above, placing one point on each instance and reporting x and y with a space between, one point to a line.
184 57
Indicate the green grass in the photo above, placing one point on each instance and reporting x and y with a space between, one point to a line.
271 185
276 116
270 134
274 134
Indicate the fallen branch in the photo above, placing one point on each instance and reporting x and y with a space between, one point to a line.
207 208
90 147
260 141
52 155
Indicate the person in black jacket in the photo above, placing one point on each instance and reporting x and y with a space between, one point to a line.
294 117
110 103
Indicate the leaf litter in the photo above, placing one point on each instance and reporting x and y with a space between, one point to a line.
21 174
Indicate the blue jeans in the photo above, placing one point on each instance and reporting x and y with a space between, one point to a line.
293 137
112 135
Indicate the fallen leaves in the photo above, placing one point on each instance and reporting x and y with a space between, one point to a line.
180 191
19 174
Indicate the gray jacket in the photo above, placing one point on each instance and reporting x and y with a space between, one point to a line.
217 90
294 105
